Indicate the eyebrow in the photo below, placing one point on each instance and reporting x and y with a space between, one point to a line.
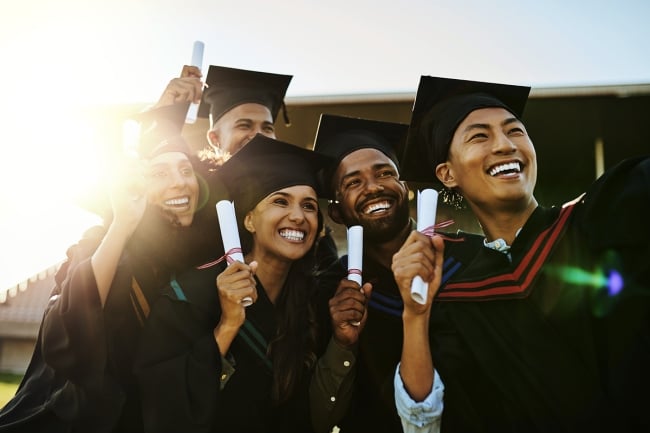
286 194
375 167
507 121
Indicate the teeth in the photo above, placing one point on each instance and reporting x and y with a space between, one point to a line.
376 207
292 235
511 166
178 201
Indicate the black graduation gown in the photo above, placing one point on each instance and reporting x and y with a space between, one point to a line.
179 366
559 339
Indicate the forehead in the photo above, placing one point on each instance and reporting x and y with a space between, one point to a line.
488 116
360 160
169 158
248 110
297 191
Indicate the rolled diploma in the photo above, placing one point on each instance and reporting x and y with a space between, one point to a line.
230 235
355 252
197 60
427 205
229 230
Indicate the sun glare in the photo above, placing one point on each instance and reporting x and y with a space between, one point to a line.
50 165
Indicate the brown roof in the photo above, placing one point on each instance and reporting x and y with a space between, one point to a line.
24 303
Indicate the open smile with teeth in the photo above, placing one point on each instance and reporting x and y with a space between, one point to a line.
178 202
509 168
375 208
292 235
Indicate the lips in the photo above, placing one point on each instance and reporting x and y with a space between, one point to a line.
376 204
178 202
504 169
292 235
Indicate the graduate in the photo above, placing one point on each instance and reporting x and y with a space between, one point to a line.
547 328
210 363
80 376
353 386
239 103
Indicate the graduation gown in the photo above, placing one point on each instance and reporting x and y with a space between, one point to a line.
80 377
558 339
180 368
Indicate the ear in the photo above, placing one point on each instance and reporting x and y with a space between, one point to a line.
248 222
445 174
213 138
334 211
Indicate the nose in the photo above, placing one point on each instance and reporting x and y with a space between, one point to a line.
503 144
373 186
296 214
177 180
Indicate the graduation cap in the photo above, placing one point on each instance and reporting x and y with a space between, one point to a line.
266 165
338 136
160 130
441 104
227 88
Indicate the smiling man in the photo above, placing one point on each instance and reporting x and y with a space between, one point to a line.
377 325
536 333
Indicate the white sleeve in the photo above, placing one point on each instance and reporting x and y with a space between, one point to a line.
419 417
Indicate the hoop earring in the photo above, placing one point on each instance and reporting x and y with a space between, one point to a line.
452 198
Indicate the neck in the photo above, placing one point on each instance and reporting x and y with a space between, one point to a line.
382 252
271 272
504 223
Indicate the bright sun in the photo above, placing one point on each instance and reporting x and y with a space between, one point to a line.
48 166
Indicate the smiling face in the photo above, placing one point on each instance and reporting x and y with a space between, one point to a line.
284 224
370 194
492 161
172 185
238 126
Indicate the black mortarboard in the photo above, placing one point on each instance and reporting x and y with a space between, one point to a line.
338 136
160 130
441 104
266 165
227 88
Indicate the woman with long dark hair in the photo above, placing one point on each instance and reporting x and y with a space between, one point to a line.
208 362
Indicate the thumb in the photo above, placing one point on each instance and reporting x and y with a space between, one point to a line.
253 266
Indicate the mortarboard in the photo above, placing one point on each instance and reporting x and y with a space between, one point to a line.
266 165
161 130
227 88
441 104
338 136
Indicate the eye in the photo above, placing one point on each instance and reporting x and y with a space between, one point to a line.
351 183
187 171
243 125
386 173
269 129
157 174
479 136
280 201
517 132
310 206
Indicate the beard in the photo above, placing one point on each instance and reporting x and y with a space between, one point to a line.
379 230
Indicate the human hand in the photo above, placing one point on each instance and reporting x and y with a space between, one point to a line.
348 311
419 255
187 88
128 194
234 284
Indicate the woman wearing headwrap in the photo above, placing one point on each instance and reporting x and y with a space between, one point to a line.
208 363
543 324
80 376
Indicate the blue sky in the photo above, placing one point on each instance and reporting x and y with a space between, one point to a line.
59 56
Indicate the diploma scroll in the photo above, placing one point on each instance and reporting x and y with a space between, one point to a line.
230 236
197 60
427 205
355 256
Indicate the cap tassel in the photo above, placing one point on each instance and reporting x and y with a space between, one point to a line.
287 122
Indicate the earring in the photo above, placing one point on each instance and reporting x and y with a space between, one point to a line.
452 198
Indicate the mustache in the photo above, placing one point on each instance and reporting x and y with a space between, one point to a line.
375 196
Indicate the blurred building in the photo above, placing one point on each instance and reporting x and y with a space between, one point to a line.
578 133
